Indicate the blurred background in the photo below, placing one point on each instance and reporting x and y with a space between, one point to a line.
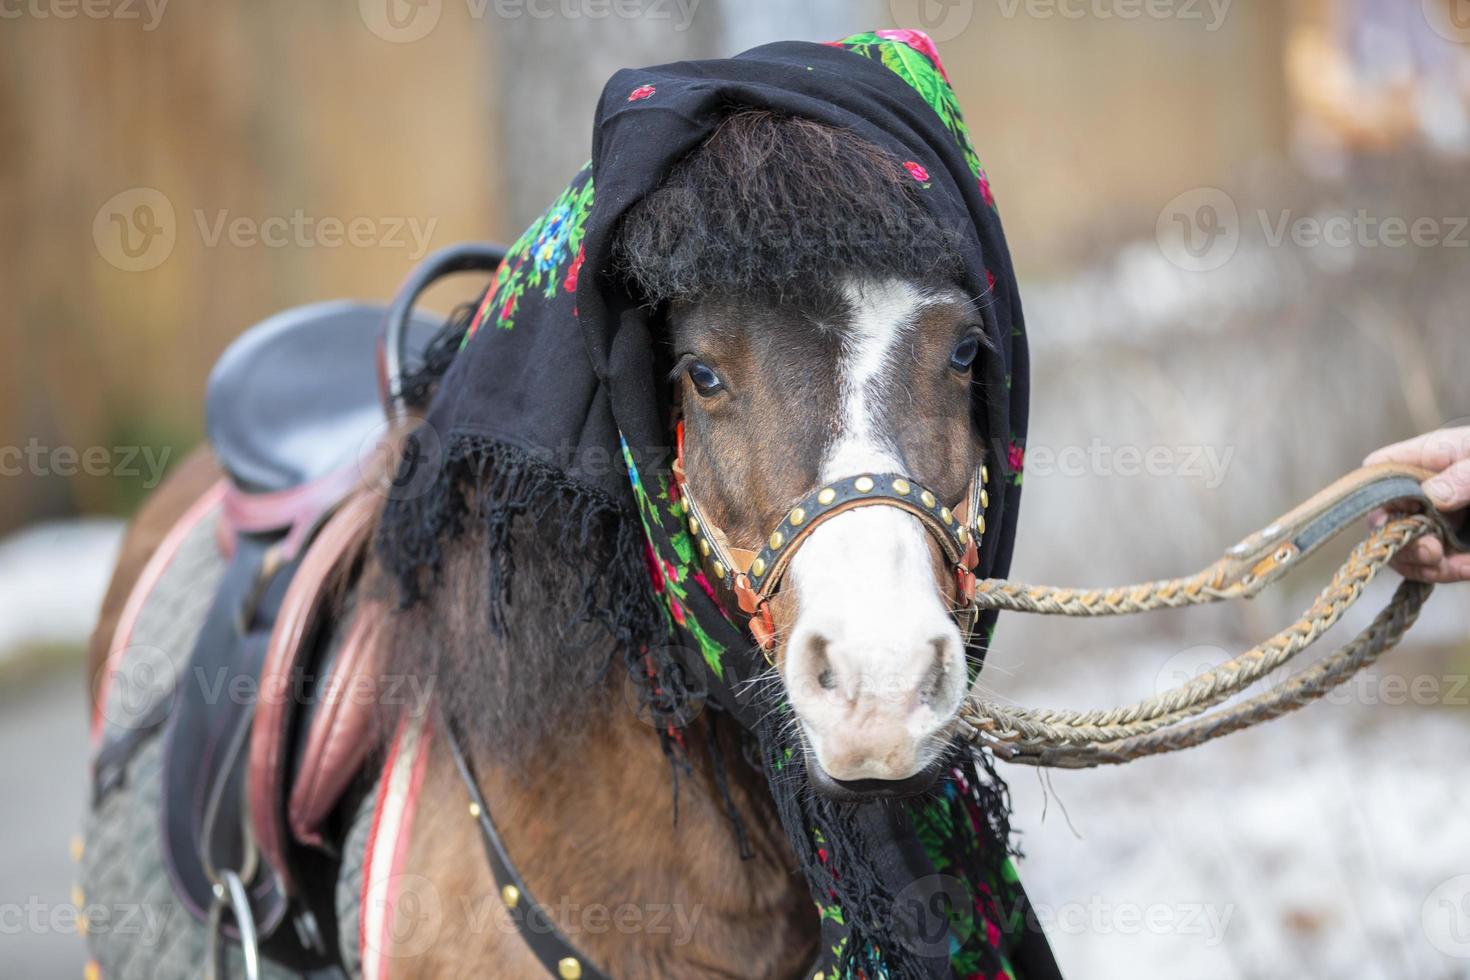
1242 233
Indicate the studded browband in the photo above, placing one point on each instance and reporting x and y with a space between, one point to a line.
748 579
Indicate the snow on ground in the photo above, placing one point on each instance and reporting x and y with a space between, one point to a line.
52 577
1334 842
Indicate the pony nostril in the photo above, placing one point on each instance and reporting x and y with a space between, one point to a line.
933 685
821 663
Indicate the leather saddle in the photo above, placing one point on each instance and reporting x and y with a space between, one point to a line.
267 730
260 741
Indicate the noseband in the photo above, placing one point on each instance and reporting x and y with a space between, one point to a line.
751 578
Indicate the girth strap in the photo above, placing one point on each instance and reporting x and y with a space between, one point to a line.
540 932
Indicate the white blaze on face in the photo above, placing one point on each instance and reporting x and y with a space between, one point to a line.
875 665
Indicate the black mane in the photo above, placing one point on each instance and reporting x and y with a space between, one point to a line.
772 206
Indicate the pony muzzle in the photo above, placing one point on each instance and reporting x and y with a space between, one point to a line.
874 665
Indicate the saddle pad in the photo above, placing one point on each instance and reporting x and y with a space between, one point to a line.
159 624
122 861
122 864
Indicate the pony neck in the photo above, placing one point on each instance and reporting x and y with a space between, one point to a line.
593 832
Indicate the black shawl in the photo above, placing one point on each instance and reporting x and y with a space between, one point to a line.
555 397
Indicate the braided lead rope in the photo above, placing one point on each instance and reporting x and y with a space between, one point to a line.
1387 628
1235 675
1076 739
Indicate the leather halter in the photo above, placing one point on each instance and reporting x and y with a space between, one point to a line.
751 578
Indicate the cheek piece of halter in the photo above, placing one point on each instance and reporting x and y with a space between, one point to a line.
748 579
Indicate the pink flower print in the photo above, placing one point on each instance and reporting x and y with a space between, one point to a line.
916 170
985 191
920 42
655 570
1016 457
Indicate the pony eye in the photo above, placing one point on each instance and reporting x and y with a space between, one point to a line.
965 352
704 379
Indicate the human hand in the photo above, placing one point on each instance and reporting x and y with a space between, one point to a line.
1447 453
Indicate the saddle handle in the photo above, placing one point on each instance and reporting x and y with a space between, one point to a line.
393 342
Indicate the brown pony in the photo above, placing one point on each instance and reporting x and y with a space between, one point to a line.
782 389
